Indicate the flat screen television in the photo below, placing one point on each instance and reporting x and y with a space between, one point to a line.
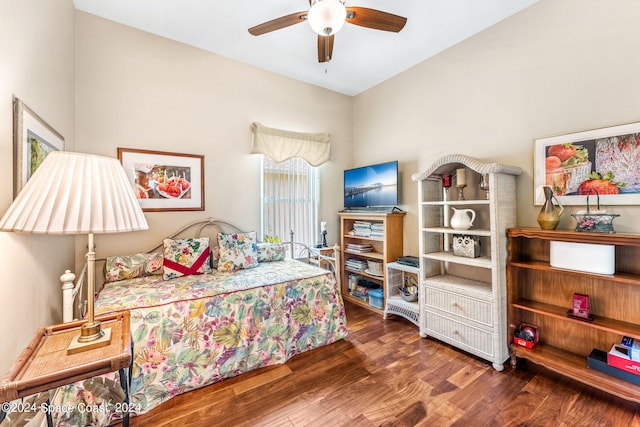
371 186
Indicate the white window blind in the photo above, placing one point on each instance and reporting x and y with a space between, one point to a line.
290 200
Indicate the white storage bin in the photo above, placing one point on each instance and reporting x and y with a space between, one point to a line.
587 257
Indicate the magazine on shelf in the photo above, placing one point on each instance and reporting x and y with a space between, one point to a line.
355 264
361 233
359 248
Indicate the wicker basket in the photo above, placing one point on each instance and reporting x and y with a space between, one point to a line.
595 222
375 268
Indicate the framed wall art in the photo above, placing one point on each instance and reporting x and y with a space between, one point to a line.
605 161
165 181
33 140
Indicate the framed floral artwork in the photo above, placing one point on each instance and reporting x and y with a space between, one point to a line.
33 140
165 181
603 162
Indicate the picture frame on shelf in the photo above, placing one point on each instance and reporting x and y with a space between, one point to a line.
580 305
165 181
33 140
569 164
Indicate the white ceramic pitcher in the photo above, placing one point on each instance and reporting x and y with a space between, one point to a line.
462 219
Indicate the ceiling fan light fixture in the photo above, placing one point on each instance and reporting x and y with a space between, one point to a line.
327 17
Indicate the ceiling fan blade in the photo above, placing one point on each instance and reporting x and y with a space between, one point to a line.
278 23
325 48
376 19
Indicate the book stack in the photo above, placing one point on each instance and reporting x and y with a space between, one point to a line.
377 230
361 228
356 264
362 248
622 361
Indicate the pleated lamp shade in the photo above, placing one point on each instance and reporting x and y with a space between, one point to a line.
75 193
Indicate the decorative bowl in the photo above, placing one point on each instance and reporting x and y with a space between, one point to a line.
599 223
409 294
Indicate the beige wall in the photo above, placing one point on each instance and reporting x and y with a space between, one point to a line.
137 90
37 66
558 67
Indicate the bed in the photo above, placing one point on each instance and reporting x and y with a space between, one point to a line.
197 329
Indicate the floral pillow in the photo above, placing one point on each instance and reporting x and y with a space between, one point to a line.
215 256
186 256
268 252
121 267
237 251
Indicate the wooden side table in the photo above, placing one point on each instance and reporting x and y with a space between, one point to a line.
45 364
321 261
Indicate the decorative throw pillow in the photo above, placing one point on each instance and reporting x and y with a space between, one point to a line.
215 256
237 251
120 267
268 252
153 263
186 256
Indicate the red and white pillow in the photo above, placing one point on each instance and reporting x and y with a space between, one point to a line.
186 256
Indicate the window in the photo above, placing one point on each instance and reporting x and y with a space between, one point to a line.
290 200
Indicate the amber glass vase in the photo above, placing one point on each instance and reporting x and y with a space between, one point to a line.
549 215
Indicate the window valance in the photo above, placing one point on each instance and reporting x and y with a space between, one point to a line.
281 145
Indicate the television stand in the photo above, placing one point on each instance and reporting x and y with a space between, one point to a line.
368 241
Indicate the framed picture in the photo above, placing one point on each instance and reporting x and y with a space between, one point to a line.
33 140
165 181
602 161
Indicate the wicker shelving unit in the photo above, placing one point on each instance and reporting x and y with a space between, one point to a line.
463 300
395 303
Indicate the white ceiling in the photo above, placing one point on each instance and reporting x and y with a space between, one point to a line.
362 57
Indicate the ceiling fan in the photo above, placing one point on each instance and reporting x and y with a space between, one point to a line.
327 17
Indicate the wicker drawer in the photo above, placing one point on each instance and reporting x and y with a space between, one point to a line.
474 340
465 307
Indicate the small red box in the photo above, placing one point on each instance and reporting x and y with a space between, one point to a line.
524 343
581 305
527 335
618 357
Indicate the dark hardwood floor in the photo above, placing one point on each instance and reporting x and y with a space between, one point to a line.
384 374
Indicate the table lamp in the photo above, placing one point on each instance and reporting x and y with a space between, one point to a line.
76 193
323 231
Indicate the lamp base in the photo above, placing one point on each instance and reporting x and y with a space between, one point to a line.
90 331
78 345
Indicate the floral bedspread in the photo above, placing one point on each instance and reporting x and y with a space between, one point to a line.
196 330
